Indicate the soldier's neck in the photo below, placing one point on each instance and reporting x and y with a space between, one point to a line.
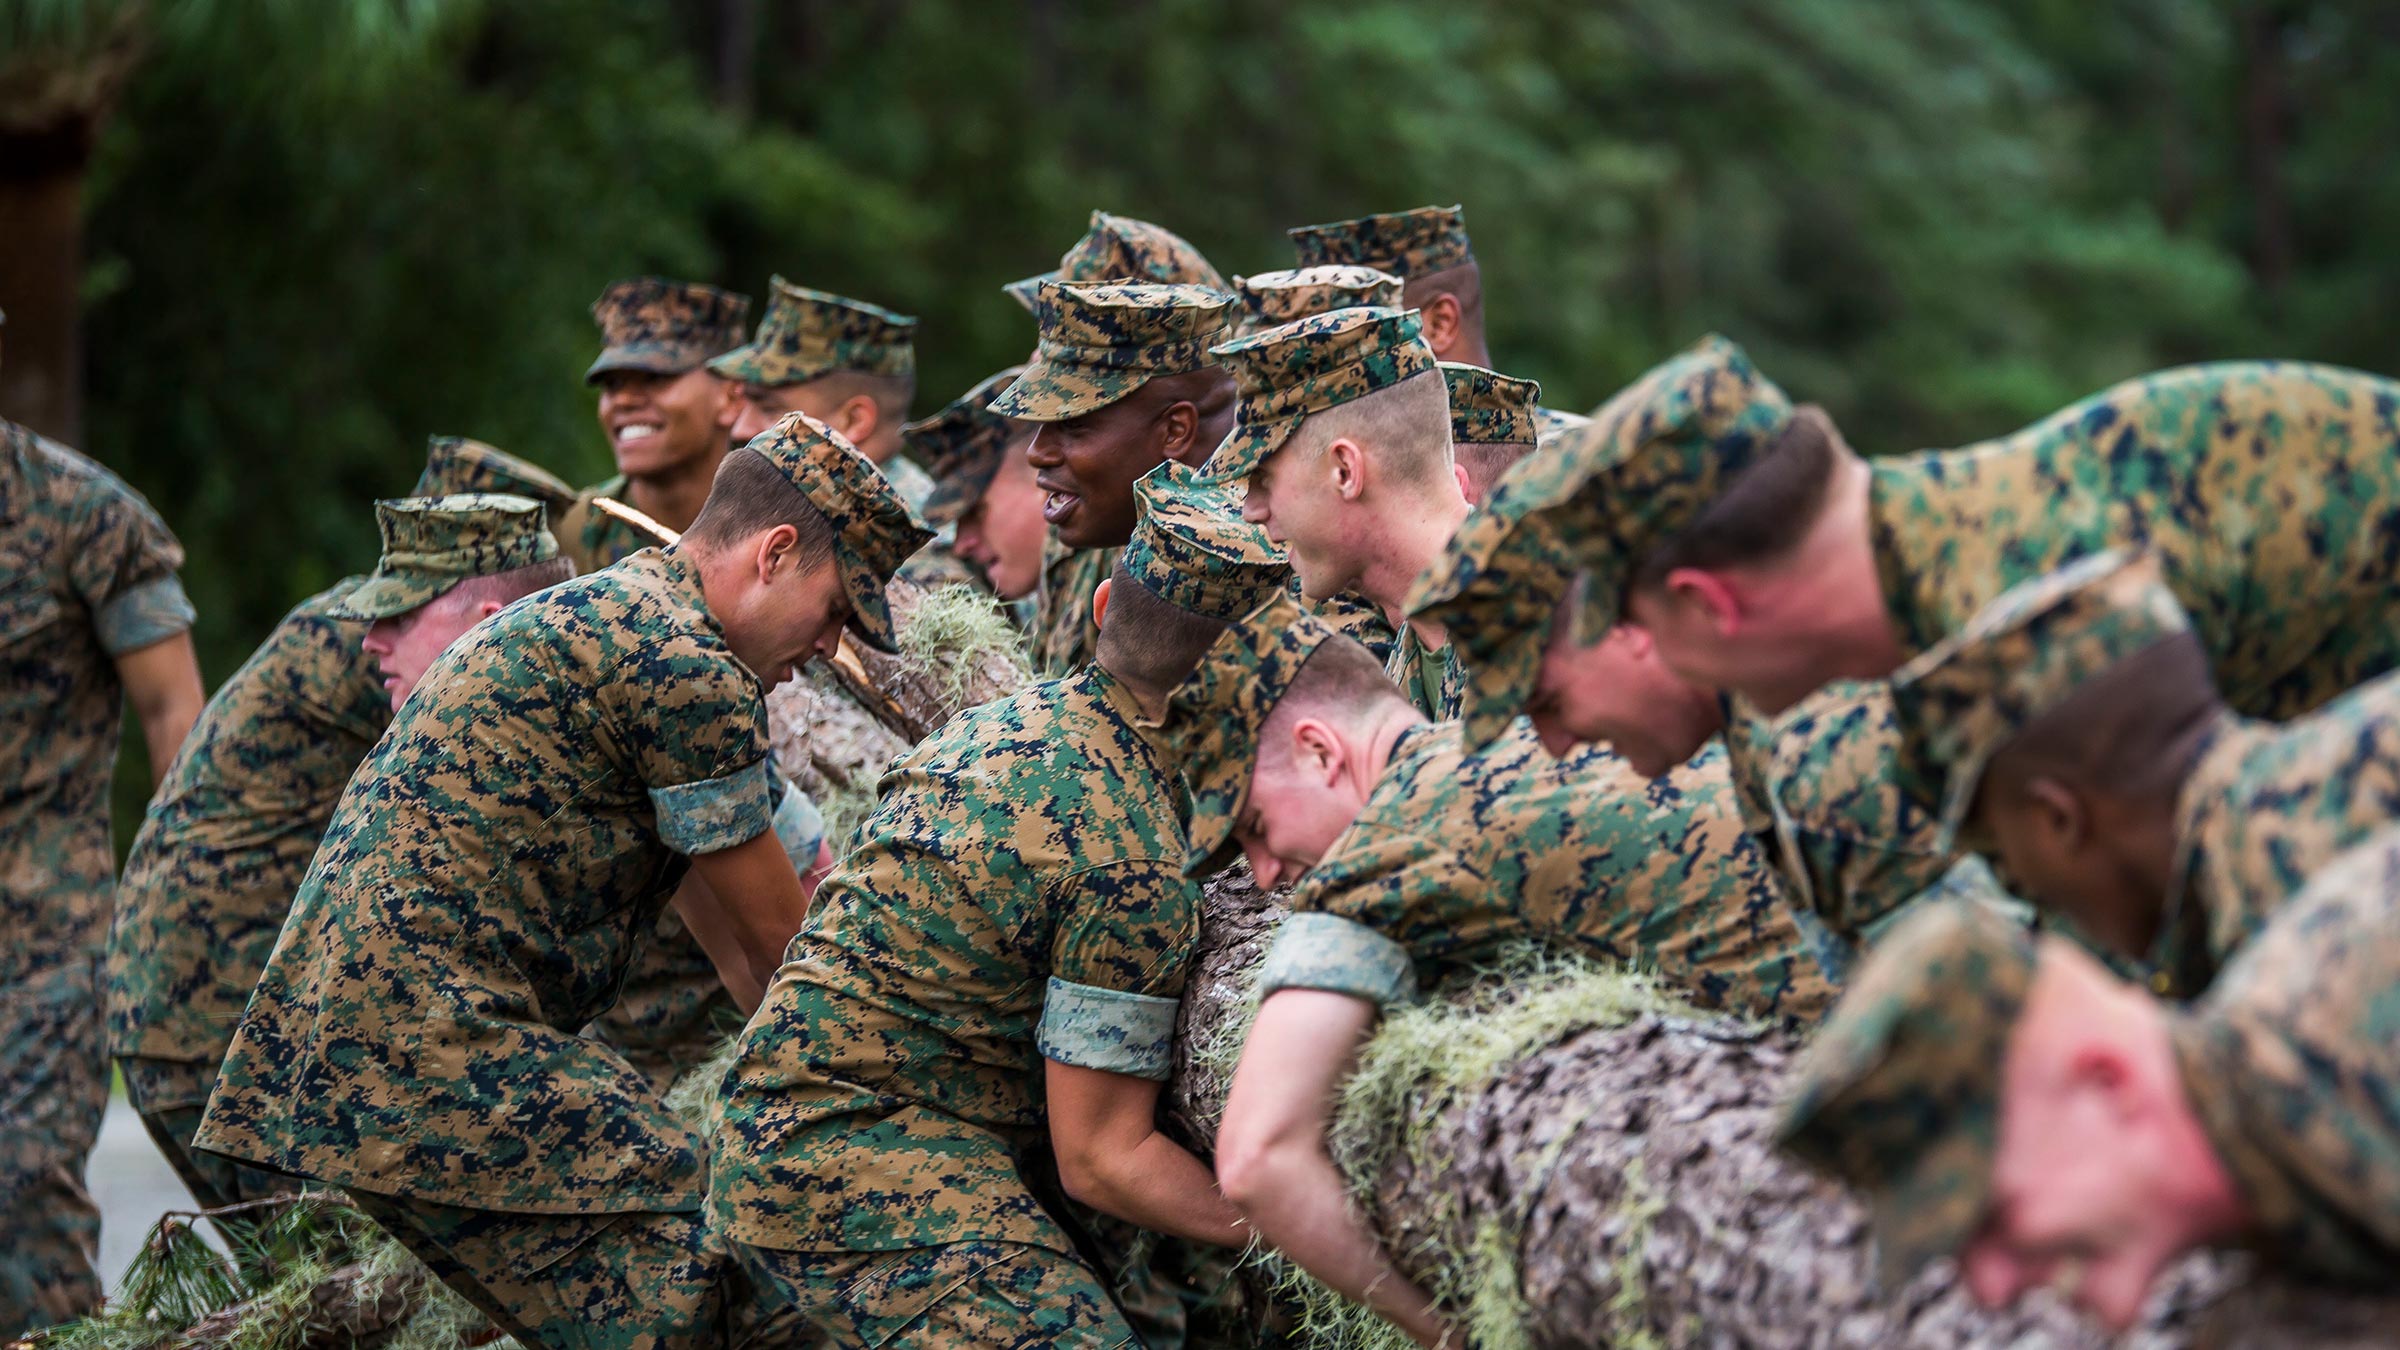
1383 737
1412 541
674 498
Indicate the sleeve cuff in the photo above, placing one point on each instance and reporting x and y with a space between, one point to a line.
713 814
1107 1029
1339 956
799 826
153 611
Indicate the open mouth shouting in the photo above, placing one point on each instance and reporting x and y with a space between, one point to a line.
1059 504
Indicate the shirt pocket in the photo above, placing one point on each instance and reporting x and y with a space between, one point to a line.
28 608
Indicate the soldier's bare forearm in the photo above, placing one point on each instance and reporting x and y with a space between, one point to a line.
1104 1133
162 684
746 912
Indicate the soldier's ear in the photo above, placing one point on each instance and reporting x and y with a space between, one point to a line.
1346 460
1317 752
2058 812
1439 317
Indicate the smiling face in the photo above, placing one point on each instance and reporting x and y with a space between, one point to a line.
1300 802
1004 531
795 615
658 425
1297 503
1618 693
1086 466
404 646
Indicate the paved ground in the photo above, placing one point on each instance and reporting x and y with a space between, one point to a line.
134 1186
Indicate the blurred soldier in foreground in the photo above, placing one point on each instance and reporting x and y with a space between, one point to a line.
2004 1099
92 620
983 486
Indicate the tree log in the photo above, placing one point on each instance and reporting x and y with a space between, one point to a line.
350 1309
1628 1175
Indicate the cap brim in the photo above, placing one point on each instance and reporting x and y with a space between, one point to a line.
635 358
870 611
388 595
1026 290
1244 448
1053 391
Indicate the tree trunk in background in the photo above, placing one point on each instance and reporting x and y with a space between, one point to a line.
1632 1172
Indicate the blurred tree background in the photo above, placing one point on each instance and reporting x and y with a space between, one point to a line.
301 235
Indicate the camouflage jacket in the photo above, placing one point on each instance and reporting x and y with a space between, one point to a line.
232 830
1429 677
87 574
1820 792
2269 490
1456 855
1064 636
488 877
2265 807
1017 894
2292 1064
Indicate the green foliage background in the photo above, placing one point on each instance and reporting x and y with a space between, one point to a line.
322 230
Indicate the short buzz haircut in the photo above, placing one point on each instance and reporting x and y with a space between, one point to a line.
1463 283
1149 642
1764 513
2129 733
507 588
892 393
1341 682
1405 426
1485 461
750 496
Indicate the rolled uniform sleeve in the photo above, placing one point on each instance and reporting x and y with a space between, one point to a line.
123 568
1339 956
696 725
1117 968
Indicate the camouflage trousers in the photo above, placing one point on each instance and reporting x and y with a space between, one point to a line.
171 1095
590 1281
53 1092
968 1295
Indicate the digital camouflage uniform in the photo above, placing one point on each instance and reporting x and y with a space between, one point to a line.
665 328
2270 491
87 575
1455 855
2292 1065
487 880
230 834
1819 790
1017 895
1410 245
1290 372
1099 343
1271 299
2262 805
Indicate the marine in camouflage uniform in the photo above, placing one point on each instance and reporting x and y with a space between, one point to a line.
965 447
87 575
1429 251
2287 1068
230 834
661 327
489 876
2257 808
1291 372
1456 855
1120 248
1820 791
1016 897
1100 343
1272 299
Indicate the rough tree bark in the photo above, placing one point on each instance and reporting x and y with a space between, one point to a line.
1632 1170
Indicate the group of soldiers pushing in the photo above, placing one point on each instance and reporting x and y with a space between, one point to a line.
2043 781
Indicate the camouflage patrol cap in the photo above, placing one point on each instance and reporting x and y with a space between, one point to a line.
457 464
1898 1094
1272 298
1192 549
1654 456
873 530
808 333
664 327
1489 408
431 544
1220 708
1963 699
1307 366
1120 248
1101 342
1496 588
961 447
1407 244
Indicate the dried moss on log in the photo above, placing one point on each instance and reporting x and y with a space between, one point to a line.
1569 1160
